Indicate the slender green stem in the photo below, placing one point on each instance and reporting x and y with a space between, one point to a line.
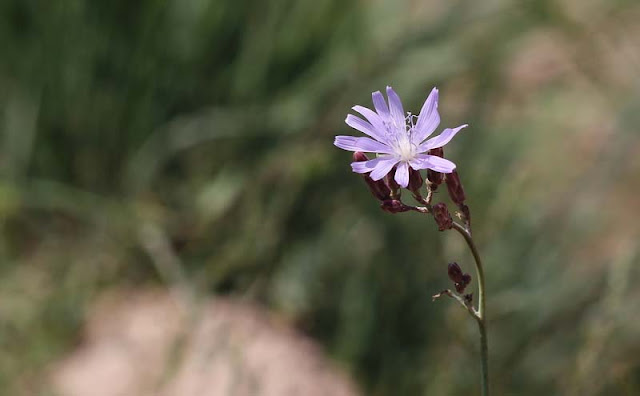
480 317
484 357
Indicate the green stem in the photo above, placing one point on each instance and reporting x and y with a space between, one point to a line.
480 317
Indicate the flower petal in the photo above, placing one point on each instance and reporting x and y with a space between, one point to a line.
395 105
428 120
402 174
365 127
374 119
433 162
381 106
383 167
351 143
365 166
440 140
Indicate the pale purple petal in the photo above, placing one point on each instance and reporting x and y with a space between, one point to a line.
381 106
366 166
383 167
395 105
433 162
402 174
365 127
375 121
428 120
440 140
364 144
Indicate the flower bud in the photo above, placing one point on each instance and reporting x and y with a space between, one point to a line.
455 272
394 206
460 286
415 181
378 188
456 192
436 178
442 216
460 279
360 157
393 185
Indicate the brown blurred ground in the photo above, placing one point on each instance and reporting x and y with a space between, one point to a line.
146 343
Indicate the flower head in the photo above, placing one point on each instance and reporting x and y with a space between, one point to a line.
397 140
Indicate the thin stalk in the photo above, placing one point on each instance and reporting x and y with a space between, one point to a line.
480 317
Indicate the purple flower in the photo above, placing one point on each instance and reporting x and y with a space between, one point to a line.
395 138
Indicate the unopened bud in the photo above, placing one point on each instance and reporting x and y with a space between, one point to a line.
460 279
456 192
394 206
378 188
436 178
442 216
455 272
393 185
460 286
360 157
415 181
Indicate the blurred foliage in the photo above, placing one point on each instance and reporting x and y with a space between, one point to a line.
190 141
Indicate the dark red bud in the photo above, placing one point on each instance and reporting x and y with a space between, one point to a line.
456 192
393 185
442 216
378 188
394 206
463 283
415 181
455 272
360 157
436 178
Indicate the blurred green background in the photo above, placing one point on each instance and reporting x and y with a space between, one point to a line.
207 125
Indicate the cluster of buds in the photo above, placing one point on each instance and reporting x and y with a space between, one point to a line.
460 279
454 187
387 191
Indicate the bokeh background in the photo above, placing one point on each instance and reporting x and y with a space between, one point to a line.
187 146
